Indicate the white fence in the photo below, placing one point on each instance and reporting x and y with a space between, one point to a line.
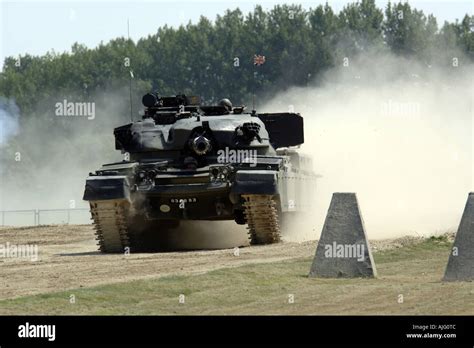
35 217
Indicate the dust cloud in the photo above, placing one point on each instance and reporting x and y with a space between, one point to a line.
45 158
195 235
397 132
9 115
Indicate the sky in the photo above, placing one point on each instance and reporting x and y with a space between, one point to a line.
36 27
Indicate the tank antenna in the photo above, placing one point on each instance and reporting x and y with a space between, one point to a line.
131 73
254 83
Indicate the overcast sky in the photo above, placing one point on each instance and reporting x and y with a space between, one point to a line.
36 27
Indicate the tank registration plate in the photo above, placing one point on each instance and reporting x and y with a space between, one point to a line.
183 200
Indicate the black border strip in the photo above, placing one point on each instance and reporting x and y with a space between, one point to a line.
221 330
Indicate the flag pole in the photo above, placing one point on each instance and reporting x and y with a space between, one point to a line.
257 61
253 97
254 83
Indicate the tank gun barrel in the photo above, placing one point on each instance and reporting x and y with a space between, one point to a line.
201 145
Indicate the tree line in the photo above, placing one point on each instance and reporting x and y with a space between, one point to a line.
214 59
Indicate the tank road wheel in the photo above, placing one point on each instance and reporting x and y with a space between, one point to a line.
262 219
110 224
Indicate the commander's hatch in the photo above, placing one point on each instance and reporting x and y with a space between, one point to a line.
214 110
284 129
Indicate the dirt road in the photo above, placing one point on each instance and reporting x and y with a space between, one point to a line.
68 258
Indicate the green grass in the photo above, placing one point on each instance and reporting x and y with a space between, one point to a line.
413 271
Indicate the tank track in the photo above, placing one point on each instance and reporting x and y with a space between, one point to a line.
110 224
262 219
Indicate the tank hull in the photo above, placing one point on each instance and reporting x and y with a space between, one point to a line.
258 194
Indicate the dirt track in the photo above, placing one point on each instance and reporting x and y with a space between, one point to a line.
68 258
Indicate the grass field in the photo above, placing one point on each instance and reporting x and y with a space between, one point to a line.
413 272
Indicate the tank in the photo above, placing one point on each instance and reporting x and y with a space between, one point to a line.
188 161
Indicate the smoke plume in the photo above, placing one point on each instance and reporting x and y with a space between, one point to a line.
395 131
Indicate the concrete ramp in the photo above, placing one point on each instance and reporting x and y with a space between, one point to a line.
343 250
461 260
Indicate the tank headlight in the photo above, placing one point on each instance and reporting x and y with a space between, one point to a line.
152 174
220 173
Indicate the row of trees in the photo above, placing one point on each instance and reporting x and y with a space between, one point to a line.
215 58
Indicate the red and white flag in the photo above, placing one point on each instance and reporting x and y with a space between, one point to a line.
258 60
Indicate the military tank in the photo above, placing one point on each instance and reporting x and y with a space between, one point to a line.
188 161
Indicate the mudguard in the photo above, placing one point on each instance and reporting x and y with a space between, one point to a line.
263 182
107 187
